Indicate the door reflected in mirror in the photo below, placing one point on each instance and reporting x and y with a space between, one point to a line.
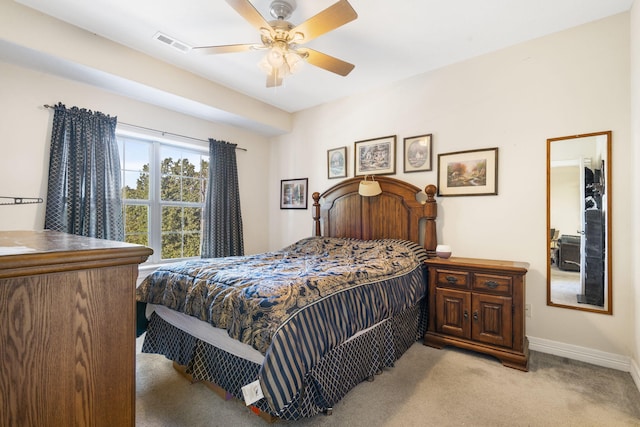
579 222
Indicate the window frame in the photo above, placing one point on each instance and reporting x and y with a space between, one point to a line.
154 203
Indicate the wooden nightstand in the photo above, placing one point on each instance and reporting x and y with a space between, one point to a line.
478 304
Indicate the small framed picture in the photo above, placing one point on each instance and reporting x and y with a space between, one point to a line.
293 193
375 156
337 163
468 173
417 153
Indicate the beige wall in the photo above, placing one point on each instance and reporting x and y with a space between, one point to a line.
25 136
565 199
635 178
576 81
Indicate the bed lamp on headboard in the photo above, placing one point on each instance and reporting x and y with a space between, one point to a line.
369 188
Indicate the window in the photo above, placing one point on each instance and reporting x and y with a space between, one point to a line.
163 192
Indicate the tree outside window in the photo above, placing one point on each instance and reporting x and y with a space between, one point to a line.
166 216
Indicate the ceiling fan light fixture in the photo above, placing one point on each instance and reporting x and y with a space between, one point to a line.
270 65
281 61
275 56
294 61
265 66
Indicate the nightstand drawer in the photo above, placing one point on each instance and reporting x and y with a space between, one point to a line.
493 283
453 279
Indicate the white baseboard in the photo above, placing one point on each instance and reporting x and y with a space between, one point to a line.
588 355
635 373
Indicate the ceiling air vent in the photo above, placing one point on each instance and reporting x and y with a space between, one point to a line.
176 44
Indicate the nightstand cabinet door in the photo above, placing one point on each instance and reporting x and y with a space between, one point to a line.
478 304
492 320
453 317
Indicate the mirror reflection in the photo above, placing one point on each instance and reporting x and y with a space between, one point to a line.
578 220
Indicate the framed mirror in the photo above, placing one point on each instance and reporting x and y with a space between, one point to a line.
579 222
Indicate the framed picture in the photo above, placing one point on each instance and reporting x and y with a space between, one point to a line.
417 153
293 193
337 163
375 156
468 173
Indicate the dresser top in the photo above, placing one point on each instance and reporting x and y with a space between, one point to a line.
21 242
25 250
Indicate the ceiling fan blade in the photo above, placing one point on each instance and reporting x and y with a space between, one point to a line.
274 80
229 48
329 19
327 62
250 13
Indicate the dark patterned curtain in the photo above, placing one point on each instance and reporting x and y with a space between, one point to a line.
222 233
83 197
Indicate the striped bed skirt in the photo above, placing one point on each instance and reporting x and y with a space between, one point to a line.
340 370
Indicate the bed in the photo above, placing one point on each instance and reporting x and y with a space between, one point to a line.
290 332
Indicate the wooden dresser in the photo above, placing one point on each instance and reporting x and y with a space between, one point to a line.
478 304
67 337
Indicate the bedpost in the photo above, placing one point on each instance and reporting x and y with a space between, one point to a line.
316 213
430 212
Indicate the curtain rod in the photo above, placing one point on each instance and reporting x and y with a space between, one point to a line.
159 131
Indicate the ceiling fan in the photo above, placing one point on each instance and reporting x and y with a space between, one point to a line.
282 40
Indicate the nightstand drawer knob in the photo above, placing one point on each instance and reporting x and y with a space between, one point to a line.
452 279
491 284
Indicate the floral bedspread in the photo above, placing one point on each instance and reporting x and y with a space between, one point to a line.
253 296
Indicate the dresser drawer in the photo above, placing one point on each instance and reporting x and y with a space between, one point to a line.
493 283
452 279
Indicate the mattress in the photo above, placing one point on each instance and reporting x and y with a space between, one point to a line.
202 330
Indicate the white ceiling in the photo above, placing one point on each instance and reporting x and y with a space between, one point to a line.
389 41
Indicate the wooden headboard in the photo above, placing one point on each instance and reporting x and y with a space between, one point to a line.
394 214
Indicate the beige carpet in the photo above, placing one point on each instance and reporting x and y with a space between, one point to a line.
565 286
427 387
